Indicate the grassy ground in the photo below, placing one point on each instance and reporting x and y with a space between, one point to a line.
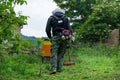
91 63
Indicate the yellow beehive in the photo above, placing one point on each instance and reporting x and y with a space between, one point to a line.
46 48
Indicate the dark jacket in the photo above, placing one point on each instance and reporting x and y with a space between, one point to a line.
54 27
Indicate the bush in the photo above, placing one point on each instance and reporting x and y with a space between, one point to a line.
102 20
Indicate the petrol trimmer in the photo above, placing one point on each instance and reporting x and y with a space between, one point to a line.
69 62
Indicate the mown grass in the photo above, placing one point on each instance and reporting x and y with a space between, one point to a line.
91 63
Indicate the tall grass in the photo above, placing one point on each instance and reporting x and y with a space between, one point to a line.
91 63
18 65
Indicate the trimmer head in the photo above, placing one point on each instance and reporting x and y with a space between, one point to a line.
68 63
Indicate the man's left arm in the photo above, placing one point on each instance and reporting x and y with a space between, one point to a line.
68 25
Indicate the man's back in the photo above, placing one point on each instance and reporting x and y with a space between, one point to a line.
57 22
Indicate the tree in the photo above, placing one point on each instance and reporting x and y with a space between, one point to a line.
104 18
77 10
92 19
10 22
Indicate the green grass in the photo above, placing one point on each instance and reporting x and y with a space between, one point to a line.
91 63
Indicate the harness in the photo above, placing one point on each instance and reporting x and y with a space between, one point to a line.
60 28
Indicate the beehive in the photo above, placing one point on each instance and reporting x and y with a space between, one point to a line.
46 48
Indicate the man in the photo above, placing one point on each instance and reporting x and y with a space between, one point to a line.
56 25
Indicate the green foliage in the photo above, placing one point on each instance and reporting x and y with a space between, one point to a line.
93 20
10 23
14 66
100 23
77 10
107 13
39 42
28 44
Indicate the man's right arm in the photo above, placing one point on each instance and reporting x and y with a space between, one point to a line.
48 28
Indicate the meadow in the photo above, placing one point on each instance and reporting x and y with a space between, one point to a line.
91 63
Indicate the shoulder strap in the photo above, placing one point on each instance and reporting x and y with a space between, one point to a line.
55 17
